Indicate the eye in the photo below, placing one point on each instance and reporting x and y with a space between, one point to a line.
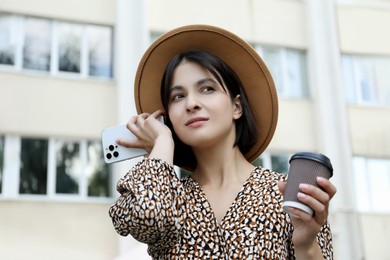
176 97
207 89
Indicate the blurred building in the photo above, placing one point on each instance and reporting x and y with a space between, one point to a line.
66 73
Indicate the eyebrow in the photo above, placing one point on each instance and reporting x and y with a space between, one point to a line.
199 82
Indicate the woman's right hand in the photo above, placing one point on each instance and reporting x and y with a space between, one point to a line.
153 136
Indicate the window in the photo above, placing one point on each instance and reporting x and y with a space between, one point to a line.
276 162
68 167
81 170
1 161
8 39
61 168
33 166
289 70
37 42
183 173
69 47
154 36
58 47
366 79
280 163
371 183
100 51
97 172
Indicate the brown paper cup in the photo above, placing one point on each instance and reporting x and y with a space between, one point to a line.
304 168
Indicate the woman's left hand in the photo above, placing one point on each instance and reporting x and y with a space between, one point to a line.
306 227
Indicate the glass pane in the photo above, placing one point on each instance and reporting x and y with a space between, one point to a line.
360 181
100 51
33 166
366 80
258 162
280 163
272 57
154 36
68 167
69 47
296 73
379 183
382 79
7 40
37 44
97 171
1 161
349 78
183 173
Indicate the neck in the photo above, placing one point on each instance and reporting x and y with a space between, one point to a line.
221 166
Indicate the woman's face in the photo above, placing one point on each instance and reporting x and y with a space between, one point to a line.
201 111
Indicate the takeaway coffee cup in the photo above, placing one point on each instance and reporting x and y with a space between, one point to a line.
304 168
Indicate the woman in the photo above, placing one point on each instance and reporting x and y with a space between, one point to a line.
220 106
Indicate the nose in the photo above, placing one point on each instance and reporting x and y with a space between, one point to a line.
192 103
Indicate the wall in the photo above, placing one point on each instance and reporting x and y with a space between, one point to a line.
370 131
360 35
41 105
376 230
296 127
100 12
56 230
357 33
52 106
245 18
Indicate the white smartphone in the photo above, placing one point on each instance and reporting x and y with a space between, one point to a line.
113 152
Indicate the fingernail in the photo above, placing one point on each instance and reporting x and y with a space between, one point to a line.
303 186
301 195
320 179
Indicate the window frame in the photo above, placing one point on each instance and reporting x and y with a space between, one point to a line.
362 179
286 90
19 24
11 175
352 77
2 156
266 157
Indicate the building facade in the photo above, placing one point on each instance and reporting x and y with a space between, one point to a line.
67 70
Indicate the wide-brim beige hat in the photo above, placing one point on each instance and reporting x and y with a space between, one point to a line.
235 52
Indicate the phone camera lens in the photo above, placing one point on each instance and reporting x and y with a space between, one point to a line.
116 154
111 147
108 156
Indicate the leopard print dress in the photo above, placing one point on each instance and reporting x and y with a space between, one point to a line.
174 218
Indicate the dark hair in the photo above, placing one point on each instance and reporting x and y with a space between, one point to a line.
246 128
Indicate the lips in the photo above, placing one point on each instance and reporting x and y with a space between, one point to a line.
196 121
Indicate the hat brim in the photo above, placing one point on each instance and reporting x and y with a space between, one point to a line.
238 54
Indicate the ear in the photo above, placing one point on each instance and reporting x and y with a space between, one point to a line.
237 107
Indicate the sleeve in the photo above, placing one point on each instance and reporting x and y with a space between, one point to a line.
151 204
324 239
